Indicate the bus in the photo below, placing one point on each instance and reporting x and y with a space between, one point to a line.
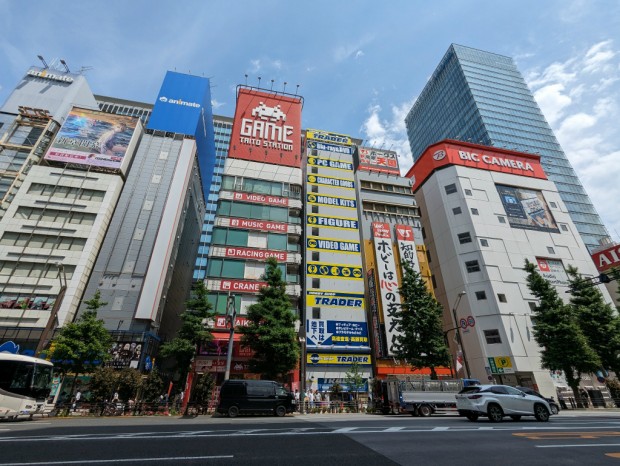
25 384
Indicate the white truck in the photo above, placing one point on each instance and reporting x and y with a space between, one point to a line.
421 397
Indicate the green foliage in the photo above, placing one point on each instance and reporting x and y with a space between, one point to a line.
105 381
193 330
419 324
354 379
84 344
563 344
597 319
271 328
203 389
152 387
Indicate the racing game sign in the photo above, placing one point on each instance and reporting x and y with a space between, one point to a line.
267 128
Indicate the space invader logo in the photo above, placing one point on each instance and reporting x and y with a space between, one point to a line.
266 113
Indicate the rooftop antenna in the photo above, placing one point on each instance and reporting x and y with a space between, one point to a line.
246 79
259 81
271 85
296 90
45 65
64 63
83 69
284 88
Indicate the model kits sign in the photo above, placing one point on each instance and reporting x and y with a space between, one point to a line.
267 128
333 201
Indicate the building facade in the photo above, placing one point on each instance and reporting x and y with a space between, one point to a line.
484 211
481 97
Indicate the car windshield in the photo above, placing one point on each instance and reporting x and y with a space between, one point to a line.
469 390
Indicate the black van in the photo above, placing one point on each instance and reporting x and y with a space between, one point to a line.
254 397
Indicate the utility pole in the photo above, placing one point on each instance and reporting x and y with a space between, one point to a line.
231 316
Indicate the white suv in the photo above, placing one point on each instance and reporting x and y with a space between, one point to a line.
497 401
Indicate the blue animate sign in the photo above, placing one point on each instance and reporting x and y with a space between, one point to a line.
320 332
183 99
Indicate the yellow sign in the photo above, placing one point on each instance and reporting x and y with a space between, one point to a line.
332 244
503 362
331 221
332 201
320 298
329 163
325 136
321 180
322 270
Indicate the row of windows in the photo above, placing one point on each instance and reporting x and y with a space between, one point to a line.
390 208
257 211
33 269
273 188
66 192
230 268
53 215
385 187
244 238
31 240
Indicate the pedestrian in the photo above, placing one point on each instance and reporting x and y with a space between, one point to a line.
115 398
297 400
311 398
327 401
76 402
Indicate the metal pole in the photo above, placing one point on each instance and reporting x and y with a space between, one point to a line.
302 371
231 315
458 334
445 338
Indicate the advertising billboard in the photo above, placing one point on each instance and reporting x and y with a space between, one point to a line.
181 101
377 160
388 282
267 128
323 298
553 271
607 258
526 209
321 332
95 139
125 354
338 359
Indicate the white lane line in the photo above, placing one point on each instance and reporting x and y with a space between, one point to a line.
394 429
344 430
582 445
124 460
440 429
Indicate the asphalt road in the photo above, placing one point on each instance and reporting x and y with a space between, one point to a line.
340 439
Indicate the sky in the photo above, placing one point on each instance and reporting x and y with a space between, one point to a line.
358 64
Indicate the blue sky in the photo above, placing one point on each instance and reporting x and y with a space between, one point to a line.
359 64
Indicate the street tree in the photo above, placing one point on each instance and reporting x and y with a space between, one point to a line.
355 381
563 344
82 345
182 348
152 387
598 320
270 332
418 324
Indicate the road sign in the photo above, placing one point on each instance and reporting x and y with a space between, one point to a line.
501 365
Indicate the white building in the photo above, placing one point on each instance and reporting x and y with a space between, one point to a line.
484 211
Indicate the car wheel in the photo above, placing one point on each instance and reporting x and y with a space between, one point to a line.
495 413
554 410
280 411
541 413
425 410
233 411
515 418
472 417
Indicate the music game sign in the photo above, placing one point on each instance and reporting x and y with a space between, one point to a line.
267 128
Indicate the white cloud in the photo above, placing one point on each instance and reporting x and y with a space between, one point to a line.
351 50
215 104
359 54
389 133
579 98
255 66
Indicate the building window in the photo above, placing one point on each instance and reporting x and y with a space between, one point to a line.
474 211
433 281
456 210
464 238
532 306
480 295
468 192
316 312
484 242
553 204
492 336
423 233
502 298
316 283
550 250
501 219
472 266
428 256
450 189
564 227
315 256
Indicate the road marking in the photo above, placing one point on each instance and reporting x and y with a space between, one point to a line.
344 430
440 429
125 460
613 455
563 435
575 445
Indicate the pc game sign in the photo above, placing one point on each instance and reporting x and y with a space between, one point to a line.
267 128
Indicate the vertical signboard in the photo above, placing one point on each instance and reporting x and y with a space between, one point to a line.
267 128
406 247
374 311
388 281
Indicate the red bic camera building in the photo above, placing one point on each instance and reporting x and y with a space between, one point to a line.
484 211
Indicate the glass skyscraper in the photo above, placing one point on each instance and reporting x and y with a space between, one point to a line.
482 97
223 128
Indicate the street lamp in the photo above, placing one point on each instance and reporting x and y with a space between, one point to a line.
52 321
231 316
458 332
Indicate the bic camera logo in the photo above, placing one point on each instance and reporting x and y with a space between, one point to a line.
265 113
178 102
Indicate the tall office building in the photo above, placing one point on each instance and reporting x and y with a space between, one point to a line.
482 97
